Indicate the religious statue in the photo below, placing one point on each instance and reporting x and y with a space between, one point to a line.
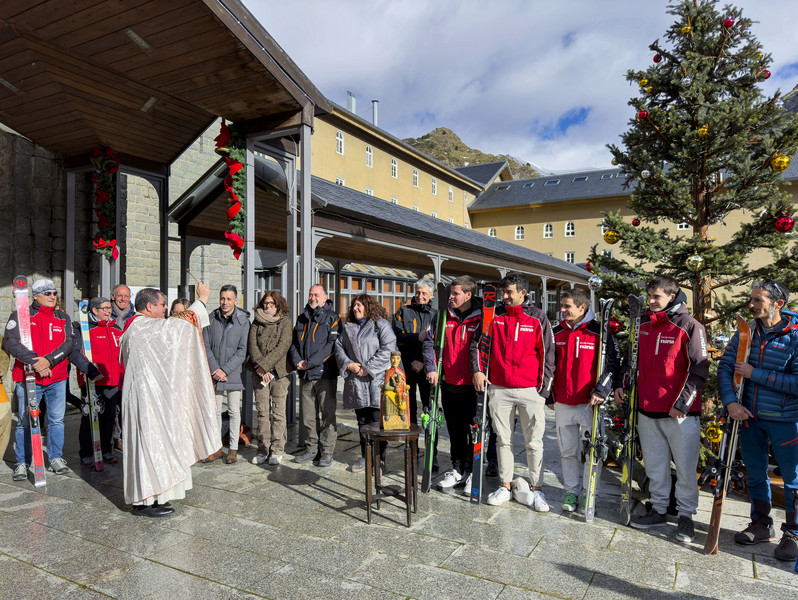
395 396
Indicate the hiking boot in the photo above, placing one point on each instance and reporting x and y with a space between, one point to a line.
499 496
20 472
213 457
651 519
787 548
231 458
755 533
275 459
58 465
450 479
326 459
306 456
569 502
260 458
539 501
358 466
467 486
685 530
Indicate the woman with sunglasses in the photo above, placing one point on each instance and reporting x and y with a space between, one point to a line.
269 341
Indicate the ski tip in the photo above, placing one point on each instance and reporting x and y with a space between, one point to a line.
20 282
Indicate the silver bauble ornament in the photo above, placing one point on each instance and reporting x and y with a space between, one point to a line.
686 81
695 263
645 173
594 283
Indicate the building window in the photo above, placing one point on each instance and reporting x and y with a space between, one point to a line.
451 219
340 180
503 187
581 178
606 253
465 197
607 176
434 215
682 227
570 229
415 207
466 225
369 156
604 229
339 142
529 185
369 191
394 200
415 177
451 194
394 168
548 231
519 233
552 182
492 232
569 257
434 187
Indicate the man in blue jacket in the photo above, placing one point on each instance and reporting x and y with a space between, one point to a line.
769 411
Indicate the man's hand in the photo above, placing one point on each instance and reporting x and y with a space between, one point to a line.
219 375
40 364
738 412
417 366
479 381
355 368
619 395
675 413
46 373
432 377
744 369
302 366
596 399
422 336
203 292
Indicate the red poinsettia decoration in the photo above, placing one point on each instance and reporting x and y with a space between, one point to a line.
104 180
235 185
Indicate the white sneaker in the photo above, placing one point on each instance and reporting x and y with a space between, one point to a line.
450 479
467 487
539 501
500 496
275 459
521 491
259 459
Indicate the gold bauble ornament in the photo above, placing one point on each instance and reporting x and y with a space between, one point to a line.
714 433
643 82
612 237
614 161
780 163
703 130
650 89
686 29
695 263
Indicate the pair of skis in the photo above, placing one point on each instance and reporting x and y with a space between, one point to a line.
432 416
478 428
596 442
93 409
725 465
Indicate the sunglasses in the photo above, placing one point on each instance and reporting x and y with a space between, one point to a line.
48 294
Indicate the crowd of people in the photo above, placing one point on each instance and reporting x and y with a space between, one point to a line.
163 384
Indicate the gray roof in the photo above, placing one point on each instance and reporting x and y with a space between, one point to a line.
483 173
791 100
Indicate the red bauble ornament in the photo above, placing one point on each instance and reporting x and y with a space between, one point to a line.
765 74
657 58
636 222
642 115
615 325
728 23
589 267
784 224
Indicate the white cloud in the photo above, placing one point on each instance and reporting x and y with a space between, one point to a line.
497 72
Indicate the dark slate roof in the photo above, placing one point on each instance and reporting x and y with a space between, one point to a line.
483 173
791 100
582 185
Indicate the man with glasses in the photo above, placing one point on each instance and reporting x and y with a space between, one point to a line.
168 402
104 336
51 336
768 411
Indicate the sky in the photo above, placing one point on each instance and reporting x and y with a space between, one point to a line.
540 80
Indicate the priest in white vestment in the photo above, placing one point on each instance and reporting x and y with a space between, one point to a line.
168 402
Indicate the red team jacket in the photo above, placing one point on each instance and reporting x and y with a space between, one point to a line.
457 369
104 338
51 337
518 349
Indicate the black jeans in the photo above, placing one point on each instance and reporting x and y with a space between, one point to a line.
112 396
366 416
459 404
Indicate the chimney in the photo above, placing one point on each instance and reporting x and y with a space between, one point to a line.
374 107
350 102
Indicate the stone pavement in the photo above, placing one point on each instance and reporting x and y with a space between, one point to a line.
300 532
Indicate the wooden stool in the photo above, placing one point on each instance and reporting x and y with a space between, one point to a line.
373 433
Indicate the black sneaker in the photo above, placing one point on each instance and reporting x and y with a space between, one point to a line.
685 530
755 533
787 548
651 519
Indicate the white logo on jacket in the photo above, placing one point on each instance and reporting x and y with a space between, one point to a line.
11 324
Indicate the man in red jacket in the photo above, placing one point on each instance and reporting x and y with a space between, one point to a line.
51 336
520 369
104 336
576 386
458 397
672 369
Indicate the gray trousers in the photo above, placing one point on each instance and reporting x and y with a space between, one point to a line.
661 441
572 423
233 398
317 404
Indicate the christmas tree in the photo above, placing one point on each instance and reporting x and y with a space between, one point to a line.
704 141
